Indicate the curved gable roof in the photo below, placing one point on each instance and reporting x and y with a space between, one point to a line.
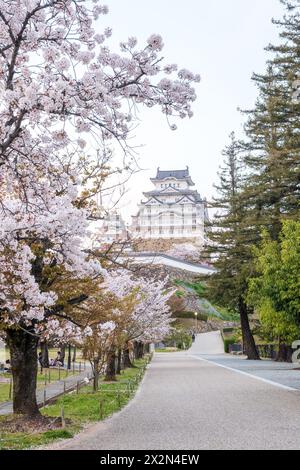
176 174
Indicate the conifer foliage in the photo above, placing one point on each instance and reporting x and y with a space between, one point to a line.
229 247
259 193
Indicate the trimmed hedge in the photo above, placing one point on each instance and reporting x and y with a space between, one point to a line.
228 329
228 342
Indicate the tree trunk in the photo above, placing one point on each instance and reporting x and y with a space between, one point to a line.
23 348
126 357
135 350
110 374
62 353
45 354
96 375
74 354
119 361
248 341
140 350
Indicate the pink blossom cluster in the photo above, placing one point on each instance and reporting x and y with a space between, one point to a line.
44 221
150 319
60 332
56 69
61 86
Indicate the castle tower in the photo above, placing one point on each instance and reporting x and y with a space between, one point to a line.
172 209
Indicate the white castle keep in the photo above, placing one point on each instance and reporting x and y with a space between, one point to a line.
172 209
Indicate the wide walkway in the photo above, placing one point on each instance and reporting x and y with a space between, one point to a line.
208 343
186 402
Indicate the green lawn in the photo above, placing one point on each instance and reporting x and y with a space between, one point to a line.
80 409
4 391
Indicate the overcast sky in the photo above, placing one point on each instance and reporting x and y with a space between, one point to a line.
224 41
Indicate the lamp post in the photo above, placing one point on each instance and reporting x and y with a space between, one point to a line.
196 323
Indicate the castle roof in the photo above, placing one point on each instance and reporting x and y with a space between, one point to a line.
174 192
176 174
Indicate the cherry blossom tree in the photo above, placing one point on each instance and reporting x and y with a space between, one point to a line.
102 317
126 309
61 89
149 318
96 343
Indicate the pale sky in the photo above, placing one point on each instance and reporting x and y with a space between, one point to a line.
224 41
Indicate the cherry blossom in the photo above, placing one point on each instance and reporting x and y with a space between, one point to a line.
150 320
61 87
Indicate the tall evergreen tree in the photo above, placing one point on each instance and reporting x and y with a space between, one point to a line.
272 150
229 246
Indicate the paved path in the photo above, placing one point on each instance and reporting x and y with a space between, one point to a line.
209 346
186 402
284 374
208 343
52 390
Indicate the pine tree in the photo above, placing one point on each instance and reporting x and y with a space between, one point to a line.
229 247
273 130
271 149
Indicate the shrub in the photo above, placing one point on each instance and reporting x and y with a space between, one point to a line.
228 330
179 338
228 342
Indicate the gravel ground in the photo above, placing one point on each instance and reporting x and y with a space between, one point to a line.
189 404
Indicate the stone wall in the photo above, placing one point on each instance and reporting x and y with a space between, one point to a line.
159 245
161 272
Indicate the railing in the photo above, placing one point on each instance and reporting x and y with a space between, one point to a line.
130 387
268 351
66 388
49 376
122 391
265 351
123 387
235 348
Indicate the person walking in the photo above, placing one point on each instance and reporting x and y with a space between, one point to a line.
40 359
